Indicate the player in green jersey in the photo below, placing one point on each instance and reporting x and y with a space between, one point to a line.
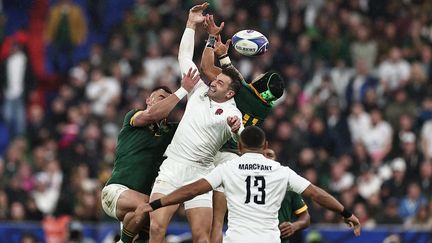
255 100
141 143
292 207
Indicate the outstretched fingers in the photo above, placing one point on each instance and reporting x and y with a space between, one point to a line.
200 7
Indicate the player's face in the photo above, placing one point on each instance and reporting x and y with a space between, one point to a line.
219 89
156 96
270 154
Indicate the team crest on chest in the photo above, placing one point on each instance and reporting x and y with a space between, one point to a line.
219 111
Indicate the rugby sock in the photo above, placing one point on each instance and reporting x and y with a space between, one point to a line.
126 236
143 237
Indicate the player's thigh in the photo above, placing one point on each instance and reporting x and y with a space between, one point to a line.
200 220
109 198
129 201
161 217
219 207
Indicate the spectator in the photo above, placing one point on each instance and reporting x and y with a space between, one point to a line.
417 87
338 129
360 84
422 220
425 179
48 184
390 216
17 212
426 140
102 91
334 45
4 206
394 71
340 178
16 83
368 184
378 139
359 122
412 201
364 218
363 48
396 186
399 106
411 155
28 238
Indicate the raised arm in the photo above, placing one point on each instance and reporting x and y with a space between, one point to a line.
328 201
161 109
180 195
187 43
208 67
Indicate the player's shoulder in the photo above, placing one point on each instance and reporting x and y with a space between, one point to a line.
131 113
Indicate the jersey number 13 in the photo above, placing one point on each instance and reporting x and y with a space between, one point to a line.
259 183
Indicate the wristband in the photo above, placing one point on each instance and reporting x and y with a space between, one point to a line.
156 204
345 213
224 60
223 56
211 41
181 92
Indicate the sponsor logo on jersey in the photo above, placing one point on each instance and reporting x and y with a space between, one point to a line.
254 167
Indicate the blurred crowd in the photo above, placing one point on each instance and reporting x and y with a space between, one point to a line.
356 117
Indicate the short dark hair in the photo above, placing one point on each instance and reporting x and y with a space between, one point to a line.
252 137
235 77
163 87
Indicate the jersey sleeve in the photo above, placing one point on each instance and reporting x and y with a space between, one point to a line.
128 119
296 183
214 178
299 206
185 56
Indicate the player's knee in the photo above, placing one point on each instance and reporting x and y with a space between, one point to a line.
201 238
157 229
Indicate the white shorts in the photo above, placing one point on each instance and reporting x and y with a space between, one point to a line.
220 158
173 175
110 195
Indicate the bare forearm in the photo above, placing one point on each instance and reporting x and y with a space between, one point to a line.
190 25
323 198
303 221
208 66
162 109
186 193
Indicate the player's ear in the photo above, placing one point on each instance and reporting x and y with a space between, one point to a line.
265 145
230 94
148 101
240 147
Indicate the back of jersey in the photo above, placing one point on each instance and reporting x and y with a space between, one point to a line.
254 188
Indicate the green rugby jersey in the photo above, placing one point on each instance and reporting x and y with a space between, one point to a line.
292 205
139 154
253 109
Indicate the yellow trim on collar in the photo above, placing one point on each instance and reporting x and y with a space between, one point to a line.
133 117
257 94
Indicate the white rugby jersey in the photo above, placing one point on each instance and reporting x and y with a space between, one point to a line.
204 128
254 187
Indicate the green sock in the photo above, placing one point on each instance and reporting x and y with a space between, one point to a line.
126 236
143 237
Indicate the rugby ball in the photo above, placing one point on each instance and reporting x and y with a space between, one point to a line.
250 43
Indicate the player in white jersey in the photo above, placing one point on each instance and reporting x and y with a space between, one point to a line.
254 187
211 118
